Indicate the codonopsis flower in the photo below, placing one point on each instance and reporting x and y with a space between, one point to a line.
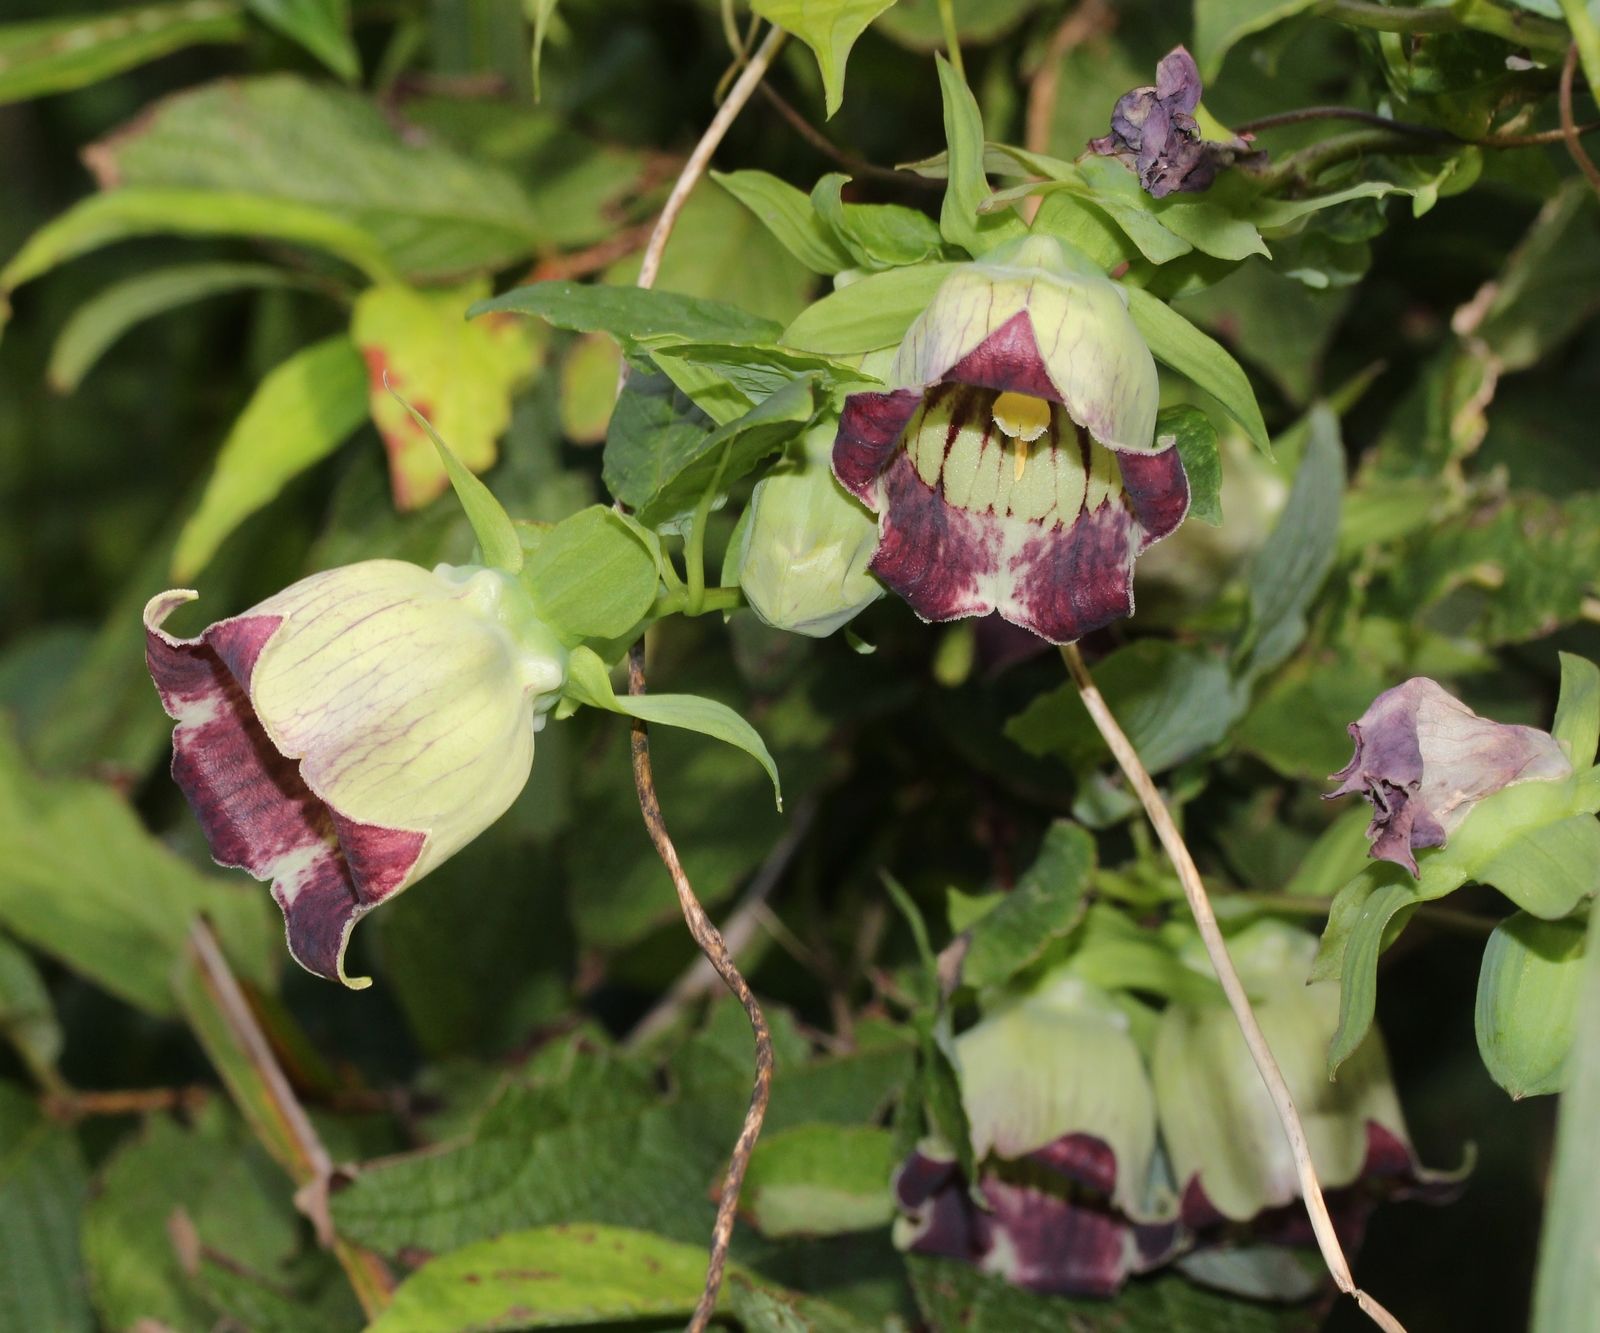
1424 760
1012 463
346 736
1226 1146
1063 1128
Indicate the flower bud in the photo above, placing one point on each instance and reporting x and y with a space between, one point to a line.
1012 464
1424 760
347 735
805 545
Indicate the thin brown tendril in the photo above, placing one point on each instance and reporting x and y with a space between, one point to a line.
858 167
1569 127
1303 114
704 933
1205 920
715 949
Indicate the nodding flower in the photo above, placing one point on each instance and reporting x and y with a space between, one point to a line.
347 735
1012 463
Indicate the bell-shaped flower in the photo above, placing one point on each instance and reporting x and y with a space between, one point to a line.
1063 1127
1424 760
1013 463
803 548
1223 1138
347 735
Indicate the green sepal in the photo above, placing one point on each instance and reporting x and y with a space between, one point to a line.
594 575
491 525
588 682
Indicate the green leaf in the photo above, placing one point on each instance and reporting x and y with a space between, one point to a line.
632 315
1045 906
593 575
124 923
1564 1290
463 374
43 1188
224 1185
103 219
1297 725
603 1143
820 1180
589 683
1358 982
955 1295
868 314
53 55
829 27
1176 342
878 236
788 214
1548 871
1527 1006
98 323
1577 724
1172 701
491 525
727 380
321 26
1219 24
299 414
1294 561
662 476
431 211
1191 430
539 13
961 220
27 1018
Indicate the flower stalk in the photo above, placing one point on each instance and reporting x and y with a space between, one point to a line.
1194 891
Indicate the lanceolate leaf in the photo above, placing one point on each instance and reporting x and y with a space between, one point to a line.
301 412
1180 345
98 323
321 26
53 55
589 683
496 534
871 313
829 27
631 315
960 218
788 214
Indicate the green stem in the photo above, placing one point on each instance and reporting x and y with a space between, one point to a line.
1586 36
1521 29
1309 162
952 39
1294 904
676 603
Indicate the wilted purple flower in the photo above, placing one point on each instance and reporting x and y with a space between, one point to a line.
1424 760
1154 132
1013 465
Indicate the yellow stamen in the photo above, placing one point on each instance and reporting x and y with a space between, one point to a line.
1024 419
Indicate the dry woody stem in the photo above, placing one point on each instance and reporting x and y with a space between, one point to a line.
705 934
1194 890
715 949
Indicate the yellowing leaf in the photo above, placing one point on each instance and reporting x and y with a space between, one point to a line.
460 374
829 28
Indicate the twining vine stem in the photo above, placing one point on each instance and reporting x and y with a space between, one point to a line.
704 932
1194 890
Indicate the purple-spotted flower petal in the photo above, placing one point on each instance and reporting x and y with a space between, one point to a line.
1034 1236
1424 760
1154 132
1012 462
347 735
